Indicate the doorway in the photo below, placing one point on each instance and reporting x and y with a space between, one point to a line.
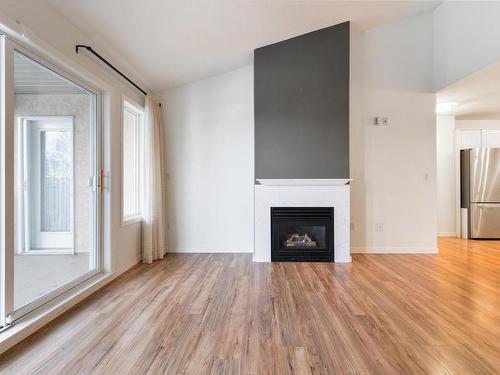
51 159
468 156
46 157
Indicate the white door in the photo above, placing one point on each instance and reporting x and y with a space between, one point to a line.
48 180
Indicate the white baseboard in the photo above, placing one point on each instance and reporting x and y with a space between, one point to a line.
343 260
268 260
211 251
394 250
354 250
447 234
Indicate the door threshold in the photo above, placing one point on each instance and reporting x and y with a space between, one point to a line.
35 320
48 252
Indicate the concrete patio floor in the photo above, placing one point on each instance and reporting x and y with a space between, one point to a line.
36 275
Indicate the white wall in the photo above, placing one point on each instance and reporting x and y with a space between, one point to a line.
392 74
394 71
393 167
446 175
209 146
466 35
209 141
55 39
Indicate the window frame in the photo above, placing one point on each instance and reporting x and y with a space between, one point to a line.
139 111
24 238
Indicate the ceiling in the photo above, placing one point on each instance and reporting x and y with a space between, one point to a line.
476 97
178 41
33 78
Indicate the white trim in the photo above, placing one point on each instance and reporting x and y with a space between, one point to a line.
25 240
4 176
52 295
304 182
136 108
133 104
131 220
210 250
458 204
47 252
394 250
347 259
8 125
447 234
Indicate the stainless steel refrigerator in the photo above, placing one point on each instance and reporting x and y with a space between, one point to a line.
480 191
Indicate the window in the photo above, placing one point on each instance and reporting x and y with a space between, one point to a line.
132 154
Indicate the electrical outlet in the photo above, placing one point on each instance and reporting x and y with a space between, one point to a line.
352 227
379 227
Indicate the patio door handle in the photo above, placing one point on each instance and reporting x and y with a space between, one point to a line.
100 181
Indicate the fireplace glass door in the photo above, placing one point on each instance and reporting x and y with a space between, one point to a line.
302 234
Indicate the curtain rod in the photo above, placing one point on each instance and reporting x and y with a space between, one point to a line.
88 48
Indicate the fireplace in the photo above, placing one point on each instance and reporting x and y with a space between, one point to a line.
302 234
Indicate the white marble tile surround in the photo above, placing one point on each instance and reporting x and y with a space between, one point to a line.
302 193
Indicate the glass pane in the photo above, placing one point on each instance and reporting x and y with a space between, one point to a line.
55 164
129 164
57 171
303 237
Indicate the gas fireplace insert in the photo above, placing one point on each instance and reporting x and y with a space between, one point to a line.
302 234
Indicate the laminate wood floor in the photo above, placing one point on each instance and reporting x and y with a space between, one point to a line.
223 314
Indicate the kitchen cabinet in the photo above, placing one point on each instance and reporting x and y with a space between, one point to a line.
490 138
478 138
469 138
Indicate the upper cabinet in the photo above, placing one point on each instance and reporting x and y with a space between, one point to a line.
468 138
490 138
477 138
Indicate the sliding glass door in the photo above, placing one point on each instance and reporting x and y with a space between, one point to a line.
50 160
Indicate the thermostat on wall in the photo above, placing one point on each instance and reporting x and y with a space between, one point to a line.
380 121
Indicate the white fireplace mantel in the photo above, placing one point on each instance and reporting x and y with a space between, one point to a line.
302 193
304 182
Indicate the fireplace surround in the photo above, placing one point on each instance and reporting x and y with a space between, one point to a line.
328 193
302 234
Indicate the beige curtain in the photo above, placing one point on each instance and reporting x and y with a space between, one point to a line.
154 201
